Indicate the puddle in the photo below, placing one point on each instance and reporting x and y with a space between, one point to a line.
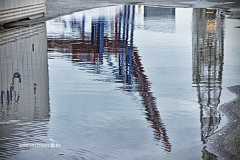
120 82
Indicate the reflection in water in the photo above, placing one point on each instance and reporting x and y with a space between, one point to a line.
100 43
207 155
24 88
159 19
110 37
208 66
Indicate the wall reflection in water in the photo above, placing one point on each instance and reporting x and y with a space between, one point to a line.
24 99
208 44
109 40
160 19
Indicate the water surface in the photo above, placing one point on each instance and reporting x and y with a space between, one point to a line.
122 82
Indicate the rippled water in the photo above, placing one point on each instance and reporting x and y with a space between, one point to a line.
122 82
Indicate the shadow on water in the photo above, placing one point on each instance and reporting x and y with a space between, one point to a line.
24 107
93 47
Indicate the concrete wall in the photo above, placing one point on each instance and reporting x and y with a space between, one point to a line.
12 10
